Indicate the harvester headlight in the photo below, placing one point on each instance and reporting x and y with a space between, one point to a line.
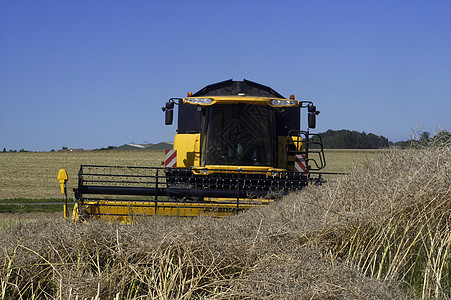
283 102
204 101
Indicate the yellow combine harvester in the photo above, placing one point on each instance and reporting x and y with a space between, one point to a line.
238 144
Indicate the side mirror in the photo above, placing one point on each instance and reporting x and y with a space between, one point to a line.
311 108
168 112
311 120
169 105
168 116
312 112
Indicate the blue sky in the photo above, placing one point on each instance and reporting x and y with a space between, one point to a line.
89 74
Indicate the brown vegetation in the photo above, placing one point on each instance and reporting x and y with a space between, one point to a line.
381 232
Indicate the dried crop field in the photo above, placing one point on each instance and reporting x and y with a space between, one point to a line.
380 232
33 175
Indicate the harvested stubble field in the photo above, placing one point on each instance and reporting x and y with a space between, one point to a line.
381 232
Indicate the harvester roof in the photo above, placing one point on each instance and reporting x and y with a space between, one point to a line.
233 88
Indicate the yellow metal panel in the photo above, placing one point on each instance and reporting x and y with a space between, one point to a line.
126 211
295 141
188 149
209 169
62 178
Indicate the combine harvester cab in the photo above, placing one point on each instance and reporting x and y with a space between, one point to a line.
238 144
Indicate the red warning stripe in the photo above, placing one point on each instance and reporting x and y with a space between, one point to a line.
299 163
170 158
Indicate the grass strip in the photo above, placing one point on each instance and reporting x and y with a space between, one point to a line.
13 208
26 200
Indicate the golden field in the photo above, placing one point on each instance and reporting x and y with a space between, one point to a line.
32 175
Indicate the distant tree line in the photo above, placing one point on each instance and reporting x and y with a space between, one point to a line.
347 139
12 150
106 148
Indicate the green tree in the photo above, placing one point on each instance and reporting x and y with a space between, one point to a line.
346 139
